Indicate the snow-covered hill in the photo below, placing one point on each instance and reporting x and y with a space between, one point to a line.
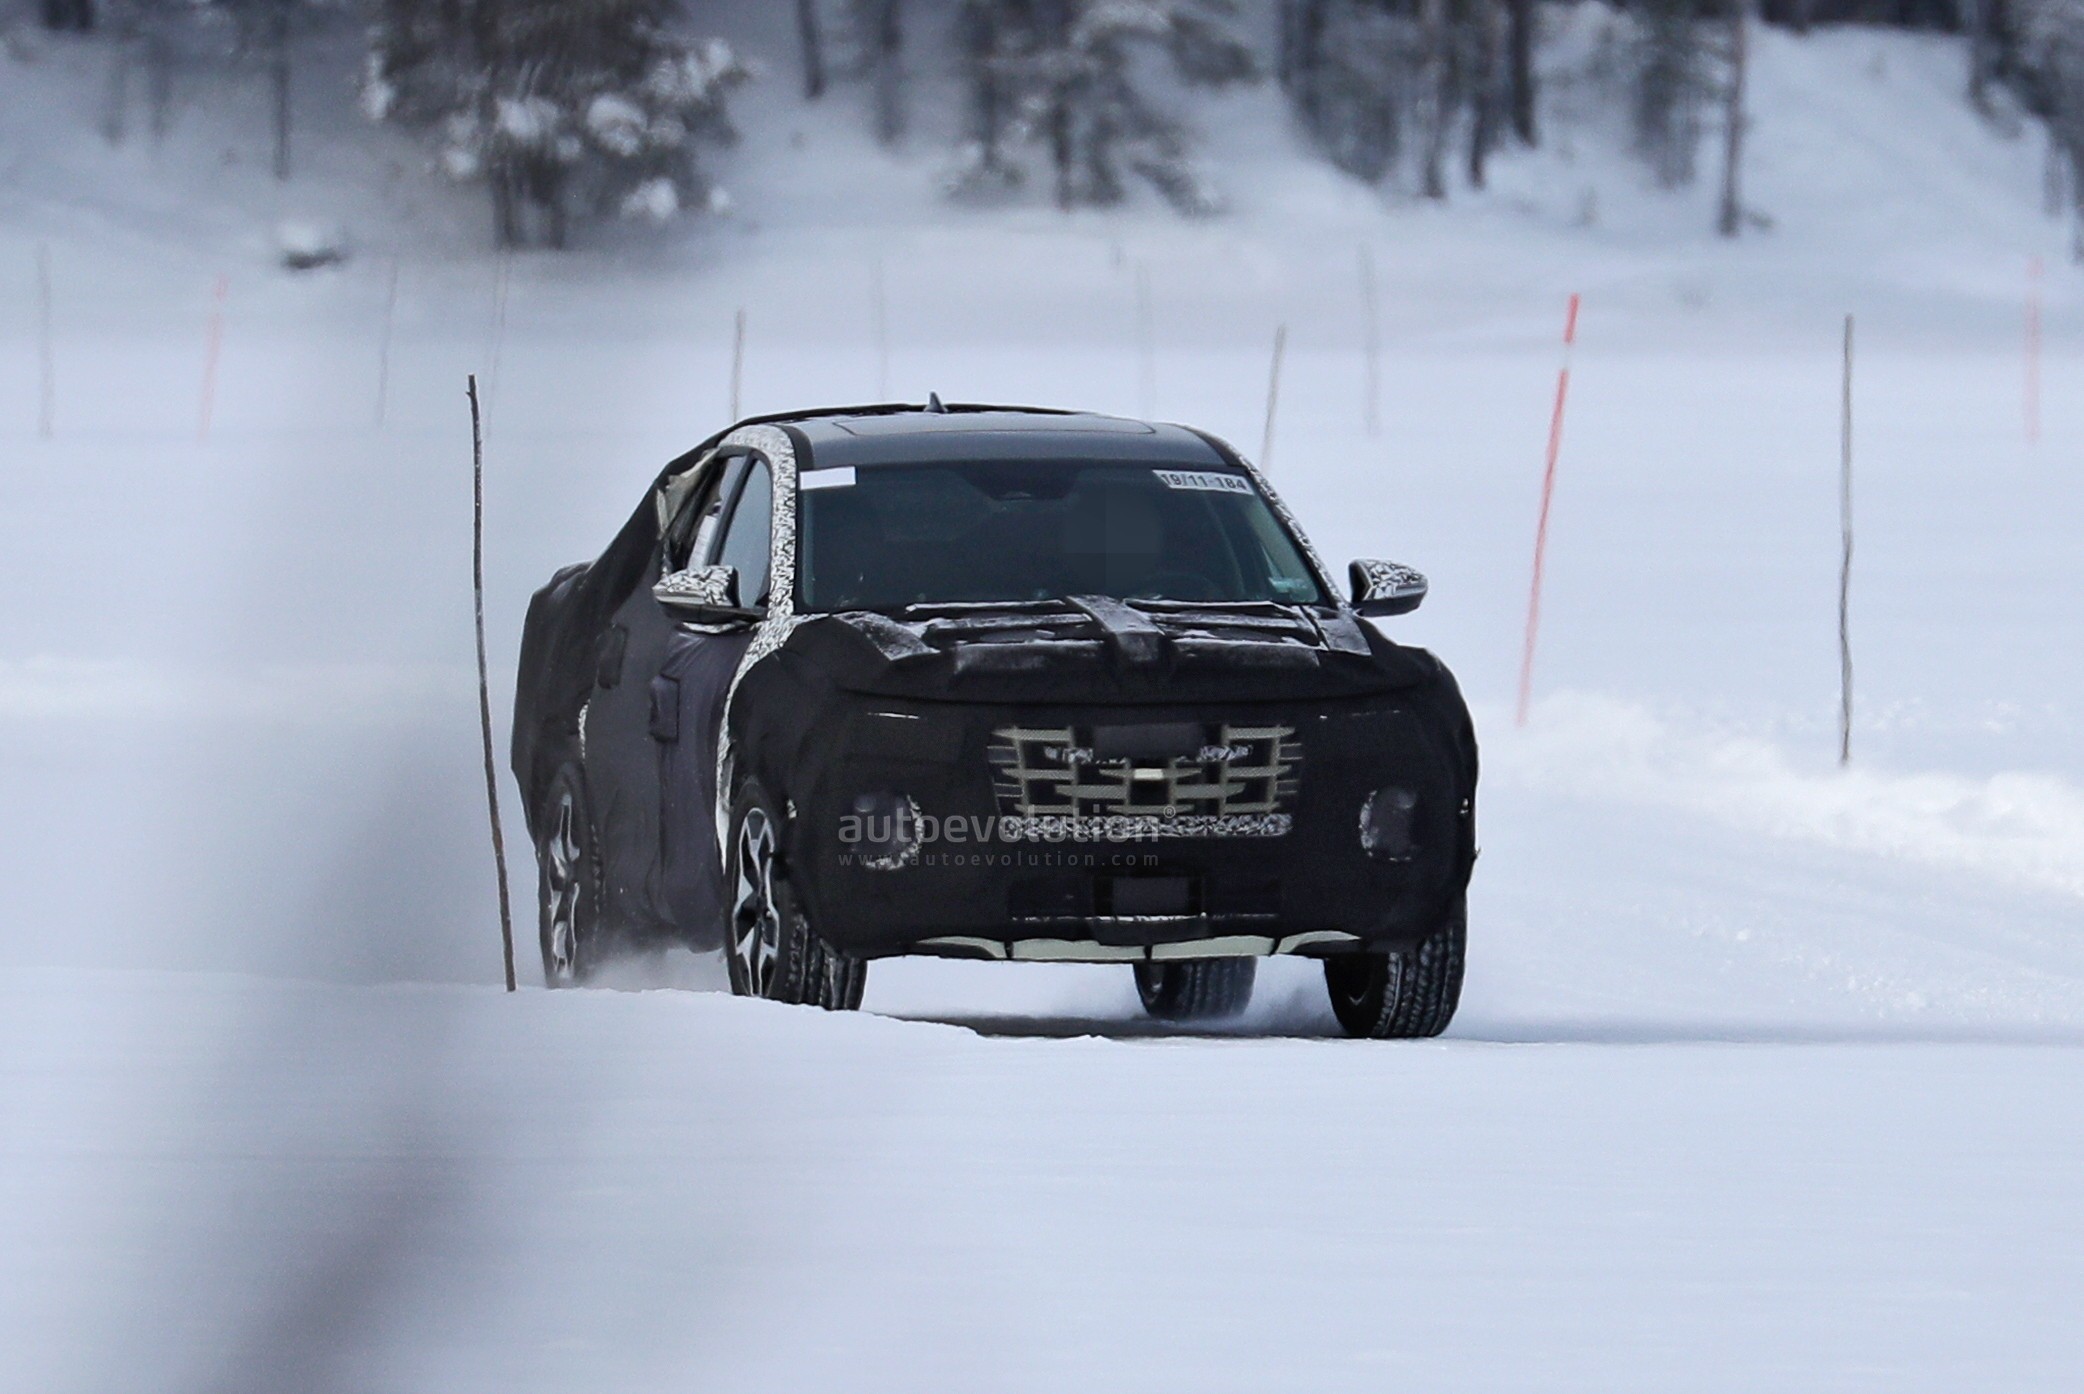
1761 1071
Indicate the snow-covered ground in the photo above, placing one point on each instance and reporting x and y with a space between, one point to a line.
1765 1071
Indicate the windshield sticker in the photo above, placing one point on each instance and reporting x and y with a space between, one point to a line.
1211 483
838 477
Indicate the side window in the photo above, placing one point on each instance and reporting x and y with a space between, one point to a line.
693 530
746 536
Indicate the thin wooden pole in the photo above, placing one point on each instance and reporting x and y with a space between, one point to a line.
47 353
383 347
502 278
1273 396
1370 344
737 361
1146 347
477 578
1729 219
2033 351
213 346
1845 560
879 307
1541 528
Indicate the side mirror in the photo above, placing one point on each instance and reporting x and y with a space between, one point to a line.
1386 588
703 595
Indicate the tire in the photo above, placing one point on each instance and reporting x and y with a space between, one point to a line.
770 947
568 886
1405 995
1196 989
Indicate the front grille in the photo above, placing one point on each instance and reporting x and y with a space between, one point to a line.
1063 782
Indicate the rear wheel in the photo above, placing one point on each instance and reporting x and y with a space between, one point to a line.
1402 995
770 946
1196 989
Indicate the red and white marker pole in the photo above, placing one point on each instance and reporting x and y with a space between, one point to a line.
2033 350
1541 530
213 345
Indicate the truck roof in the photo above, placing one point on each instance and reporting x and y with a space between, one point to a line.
906 434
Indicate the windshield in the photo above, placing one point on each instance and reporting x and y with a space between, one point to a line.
890 536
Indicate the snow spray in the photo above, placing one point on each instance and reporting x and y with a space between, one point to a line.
213 345
2033 350
1541 528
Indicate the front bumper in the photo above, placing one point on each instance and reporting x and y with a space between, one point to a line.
1271 862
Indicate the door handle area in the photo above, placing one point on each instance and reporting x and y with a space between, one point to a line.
608 654
665 709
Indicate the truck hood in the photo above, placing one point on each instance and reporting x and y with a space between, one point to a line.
1099 649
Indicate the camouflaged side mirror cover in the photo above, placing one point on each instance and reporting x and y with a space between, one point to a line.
1382 588
705 594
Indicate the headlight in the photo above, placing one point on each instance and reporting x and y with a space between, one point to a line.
882 831
1386 820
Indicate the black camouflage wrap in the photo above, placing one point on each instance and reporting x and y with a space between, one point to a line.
1127 778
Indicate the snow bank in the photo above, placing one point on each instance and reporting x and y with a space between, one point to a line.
2021 827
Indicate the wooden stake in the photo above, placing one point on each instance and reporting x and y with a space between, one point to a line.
1541 528
880 313
213 346
1845 561
1273 396
2033 351
1370 345
1729 219
477 578
737 361
383 347
502 278
47 354
1146 347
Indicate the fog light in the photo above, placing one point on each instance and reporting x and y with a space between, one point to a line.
1386 823
882 831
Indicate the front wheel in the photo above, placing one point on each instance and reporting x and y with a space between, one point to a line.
568 895
1196 989
1403 995
770 948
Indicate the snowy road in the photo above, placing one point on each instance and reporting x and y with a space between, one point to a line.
249 1185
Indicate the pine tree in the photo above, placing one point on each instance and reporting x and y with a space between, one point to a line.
1373 79
76 15
1062 74
2046 65
1668 85
562 107
877 29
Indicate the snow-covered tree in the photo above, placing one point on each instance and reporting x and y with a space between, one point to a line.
561 107
1353 70
1068 76
2048 68
1373 78
77 15
810 43
1668 83
877 30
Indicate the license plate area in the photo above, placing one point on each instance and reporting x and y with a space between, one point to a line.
1148 897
